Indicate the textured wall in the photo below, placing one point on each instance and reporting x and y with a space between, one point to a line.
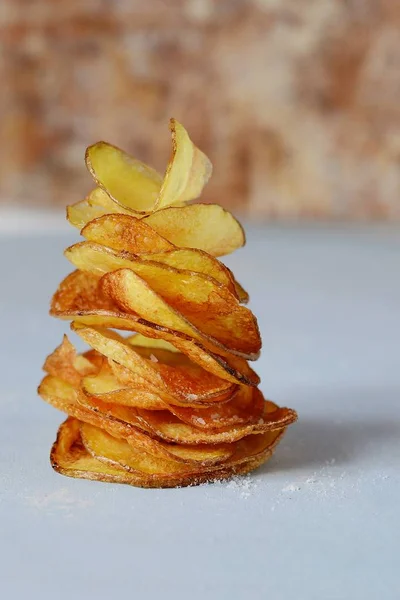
295 101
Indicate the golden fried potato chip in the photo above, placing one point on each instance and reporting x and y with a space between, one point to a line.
128 182
199 262
174 300
187 172
181 379
66 398
99 259
65 363
111 450
125 233
79 298
106 387
163 425
169 428
99 198
208 227
78 292
181 398
187 379
81 213
70 457
115 461
246 407
199 303
145 342
139 188
128 234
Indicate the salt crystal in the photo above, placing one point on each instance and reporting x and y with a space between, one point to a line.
200 420
291 488
153 358
244 485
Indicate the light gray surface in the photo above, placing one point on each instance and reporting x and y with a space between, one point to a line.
320 521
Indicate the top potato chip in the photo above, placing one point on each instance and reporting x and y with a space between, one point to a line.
139 188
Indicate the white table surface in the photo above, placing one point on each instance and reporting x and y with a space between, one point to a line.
320 521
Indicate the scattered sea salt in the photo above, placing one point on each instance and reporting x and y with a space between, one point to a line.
153 358
291 488
243 485
200 420
60 500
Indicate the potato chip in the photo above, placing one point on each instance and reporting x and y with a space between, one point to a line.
145 342
139 188
81 213
131 235
127 181
182 379
208 227
79 298
187 172
169 428
246 407
164 425
65 397
100 198
203 308
69 457
125 233
106 387
64 362
185 399
78 292
208 313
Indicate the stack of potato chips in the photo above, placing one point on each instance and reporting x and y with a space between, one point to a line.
175 401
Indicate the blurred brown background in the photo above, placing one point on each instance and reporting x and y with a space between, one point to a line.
297 102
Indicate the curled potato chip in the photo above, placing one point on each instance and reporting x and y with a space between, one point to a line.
169 428
70 457
188 302
106 387
78 292
128 234
79 298
208 227
187 172
181 379
99 198
139 188
181 397
166 426
64 362
246 407
211 316
125 233
65 397
81 213
145 342
208 318
127 181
